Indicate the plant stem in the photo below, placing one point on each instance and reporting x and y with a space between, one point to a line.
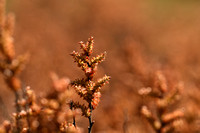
71 107
27 108
17 110
90 119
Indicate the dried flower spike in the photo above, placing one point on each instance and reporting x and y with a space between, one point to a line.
86 88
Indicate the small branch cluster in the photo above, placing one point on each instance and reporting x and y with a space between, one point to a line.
161 119
10 65
48 114
86 88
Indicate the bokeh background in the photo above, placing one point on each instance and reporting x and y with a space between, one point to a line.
140 37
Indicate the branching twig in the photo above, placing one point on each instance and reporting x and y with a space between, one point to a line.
86 88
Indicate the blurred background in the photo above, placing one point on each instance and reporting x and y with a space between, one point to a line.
140 37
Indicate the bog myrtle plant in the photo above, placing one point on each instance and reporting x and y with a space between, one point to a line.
10 64
161 98
49 113
52 113
87 88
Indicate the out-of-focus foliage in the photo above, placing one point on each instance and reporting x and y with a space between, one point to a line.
140 37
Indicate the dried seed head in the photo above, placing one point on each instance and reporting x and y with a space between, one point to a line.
9 48
35 108
53 104
23 113
172 116
69 128
145 91
157 124
22 102
24 130
96 99
44 101
48 111
161 82
15 83
146 112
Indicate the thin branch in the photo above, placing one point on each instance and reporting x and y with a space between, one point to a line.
90 119
71 107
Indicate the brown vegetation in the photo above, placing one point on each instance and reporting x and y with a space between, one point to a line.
153 58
